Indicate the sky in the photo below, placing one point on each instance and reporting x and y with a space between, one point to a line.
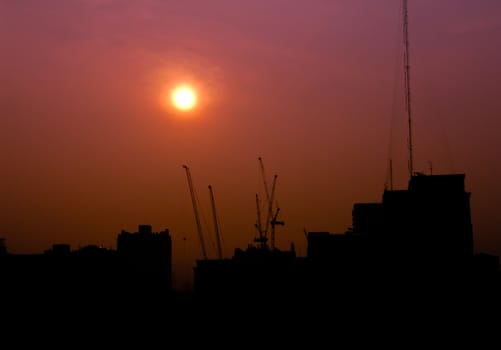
90 144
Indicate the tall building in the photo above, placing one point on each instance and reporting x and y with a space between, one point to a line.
418 235
428 226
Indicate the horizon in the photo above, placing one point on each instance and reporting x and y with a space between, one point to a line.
90 147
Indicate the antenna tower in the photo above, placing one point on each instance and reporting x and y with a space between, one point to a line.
407 83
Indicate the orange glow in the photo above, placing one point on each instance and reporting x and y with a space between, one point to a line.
184 98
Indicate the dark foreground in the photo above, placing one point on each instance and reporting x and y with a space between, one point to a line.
404 315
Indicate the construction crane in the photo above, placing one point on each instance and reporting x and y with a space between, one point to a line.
216 225
270 206
264 179
271 219
261 239
195 210
273 223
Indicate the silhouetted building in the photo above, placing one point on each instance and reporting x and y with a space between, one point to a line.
486 264
418 238
428 226
421 236
59 249
338 264
149 255
256 272
3 247
367 218
91 274
59 274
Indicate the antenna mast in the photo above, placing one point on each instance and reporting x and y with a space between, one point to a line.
407 84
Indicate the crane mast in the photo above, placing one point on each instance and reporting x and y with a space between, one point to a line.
271 218
270 206
195 210
216 225
273 223
264 180
258 225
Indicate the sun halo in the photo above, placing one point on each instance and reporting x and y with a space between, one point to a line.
184 98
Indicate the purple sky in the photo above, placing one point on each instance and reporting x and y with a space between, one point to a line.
313 87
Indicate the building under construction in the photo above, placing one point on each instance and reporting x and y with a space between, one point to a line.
256 271
418 238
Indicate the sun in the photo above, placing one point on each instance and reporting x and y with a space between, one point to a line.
184 98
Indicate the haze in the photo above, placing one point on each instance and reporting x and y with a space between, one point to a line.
315 88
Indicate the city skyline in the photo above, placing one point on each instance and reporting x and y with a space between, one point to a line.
315 89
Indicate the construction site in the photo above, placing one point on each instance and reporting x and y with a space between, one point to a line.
416 243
